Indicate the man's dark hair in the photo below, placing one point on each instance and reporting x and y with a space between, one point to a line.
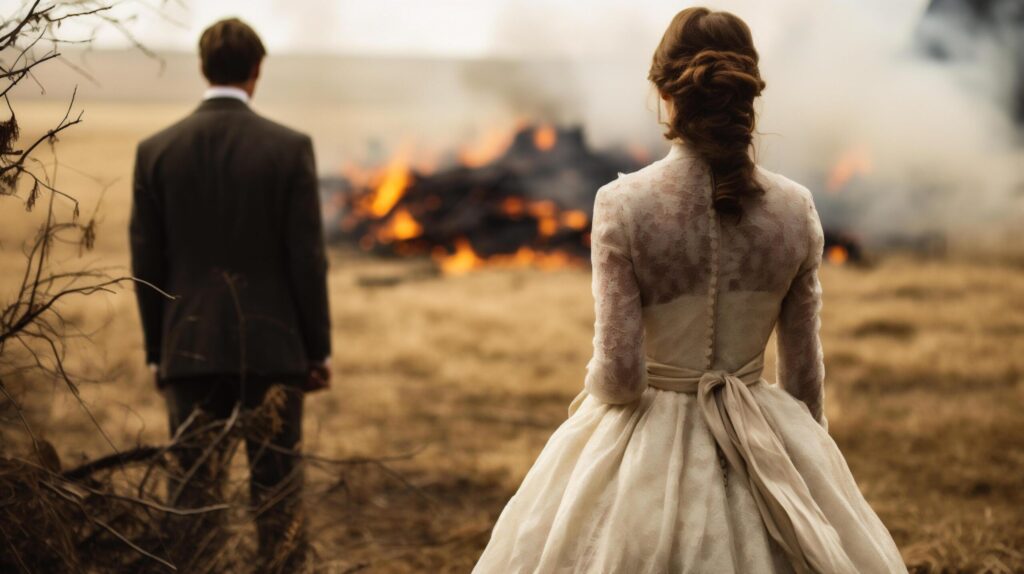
230 51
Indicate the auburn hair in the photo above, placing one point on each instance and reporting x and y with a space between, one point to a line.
707 68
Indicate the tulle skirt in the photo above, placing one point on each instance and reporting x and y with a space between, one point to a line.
641 488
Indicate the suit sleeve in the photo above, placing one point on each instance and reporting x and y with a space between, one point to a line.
149 261
307 260
801 365
617 372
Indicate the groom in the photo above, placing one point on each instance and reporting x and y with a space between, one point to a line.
226 219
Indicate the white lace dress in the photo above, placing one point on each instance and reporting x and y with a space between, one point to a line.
678 457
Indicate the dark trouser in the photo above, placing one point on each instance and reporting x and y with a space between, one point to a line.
275 472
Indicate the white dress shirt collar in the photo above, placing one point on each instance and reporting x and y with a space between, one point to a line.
226 92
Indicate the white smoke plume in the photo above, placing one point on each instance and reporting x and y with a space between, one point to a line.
930 146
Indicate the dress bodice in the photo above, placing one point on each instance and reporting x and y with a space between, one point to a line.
676 284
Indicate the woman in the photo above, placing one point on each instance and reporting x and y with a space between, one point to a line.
678 456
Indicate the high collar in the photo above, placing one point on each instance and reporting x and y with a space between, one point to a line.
216 92
680 150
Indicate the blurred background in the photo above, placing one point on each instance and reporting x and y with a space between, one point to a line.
460 145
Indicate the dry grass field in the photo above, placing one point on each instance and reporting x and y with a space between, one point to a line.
469 375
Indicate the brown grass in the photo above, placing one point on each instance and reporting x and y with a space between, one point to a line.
925 387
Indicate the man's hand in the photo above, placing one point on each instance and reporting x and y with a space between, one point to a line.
319 377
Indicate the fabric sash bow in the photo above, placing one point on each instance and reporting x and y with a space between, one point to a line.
754 450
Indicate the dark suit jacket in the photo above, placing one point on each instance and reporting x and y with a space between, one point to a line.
226 218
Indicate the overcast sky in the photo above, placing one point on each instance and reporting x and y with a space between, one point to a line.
459 28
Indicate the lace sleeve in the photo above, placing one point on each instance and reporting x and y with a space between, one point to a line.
617 372
801 366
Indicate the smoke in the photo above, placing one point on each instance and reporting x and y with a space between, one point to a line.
939 150
924 104
545 91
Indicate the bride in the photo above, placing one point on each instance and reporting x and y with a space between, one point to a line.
678 456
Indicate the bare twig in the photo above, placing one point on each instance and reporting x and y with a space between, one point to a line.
108 527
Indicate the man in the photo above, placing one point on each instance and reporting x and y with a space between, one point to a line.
226 220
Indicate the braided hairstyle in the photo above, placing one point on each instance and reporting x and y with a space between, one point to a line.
706 68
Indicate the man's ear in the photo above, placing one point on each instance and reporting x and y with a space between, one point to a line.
255 74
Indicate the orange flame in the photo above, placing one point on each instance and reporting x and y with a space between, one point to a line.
393 183
402 225
462 261
546 214
487 149
855 161
575 219
526 257
545 137
466 259
837 255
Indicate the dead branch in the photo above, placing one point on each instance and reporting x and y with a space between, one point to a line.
109 514
141 454
47 517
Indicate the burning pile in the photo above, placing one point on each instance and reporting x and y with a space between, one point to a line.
516 199
524 200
